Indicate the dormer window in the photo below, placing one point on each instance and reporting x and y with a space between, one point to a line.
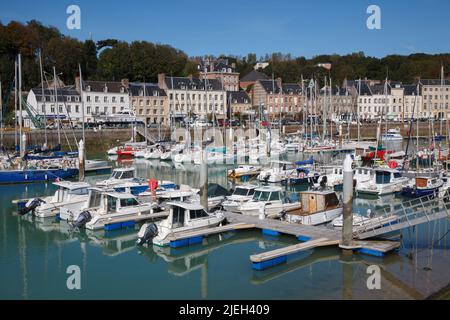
155 93
105 89
122 90
88 88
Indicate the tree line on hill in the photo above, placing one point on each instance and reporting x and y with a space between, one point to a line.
112 60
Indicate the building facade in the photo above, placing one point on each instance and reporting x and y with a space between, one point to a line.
102 98
239 103
195 98
278 98
220 70
435 95
149 102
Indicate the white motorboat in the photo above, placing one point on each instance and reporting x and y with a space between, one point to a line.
153 153
112 151
392 135
118 175
111 210
241 194
68 194
183 217
317 207
278 171
358 220
267 200
385 181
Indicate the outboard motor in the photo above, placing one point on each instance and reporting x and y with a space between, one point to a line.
323 182
83 218
31 205
147 233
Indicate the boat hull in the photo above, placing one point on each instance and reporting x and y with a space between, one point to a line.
39 175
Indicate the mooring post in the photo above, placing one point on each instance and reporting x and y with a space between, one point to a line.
347 229
81 160
204 181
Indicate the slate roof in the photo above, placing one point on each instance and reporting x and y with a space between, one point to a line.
186 83
434 82
253 76
151 89
286 88
62 93
239 96
98 86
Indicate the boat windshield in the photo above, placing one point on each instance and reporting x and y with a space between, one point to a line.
383 177
265 195
240 192
128 202
79 191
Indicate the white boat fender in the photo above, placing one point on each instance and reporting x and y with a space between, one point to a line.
146 234
31 205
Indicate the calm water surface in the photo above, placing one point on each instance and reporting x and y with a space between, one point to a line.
34 256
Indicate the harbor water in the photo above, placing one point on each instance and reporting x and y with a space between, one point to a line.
35 255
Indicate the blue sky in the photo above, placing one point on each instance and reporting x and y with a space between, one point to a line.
302 28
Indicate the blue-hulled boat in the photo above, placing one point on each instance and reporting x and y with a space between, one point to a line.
422 186
36 175
302 176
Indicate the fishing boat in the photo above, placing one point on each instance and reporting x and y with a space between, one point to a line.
240 195
183 217
110 210
392 135
269 200
385 181
125 180
278 171
317 207
422 186
68 194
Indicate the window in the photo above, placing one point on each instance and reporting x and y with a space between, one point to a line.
113 99
197 214
112 204
122 100
80 191
274 196
77 108
128 202
105 99
88 98
94 199
177 217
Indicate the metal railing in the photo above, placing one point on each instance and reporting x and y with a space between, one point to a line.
405 214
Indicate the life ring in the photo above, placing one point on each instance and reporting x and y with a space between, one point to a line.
392 164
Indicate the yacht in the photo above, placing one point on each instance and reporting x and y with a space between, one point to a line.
268 200
68 194
278 171
317 207
110 210
392 135
241 194
384 181
183 217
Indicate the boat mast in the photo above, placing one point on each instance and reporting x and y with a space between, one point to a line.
20 105
324 111
82 103
1 117
357 108
57 106
330 109
43 96
15 104
441 102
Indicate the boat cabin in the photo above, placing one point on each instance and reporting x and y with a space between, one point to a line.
425 182
385 176
317 201
123 173
182 214
114 202
283 165
245 190
267 194
67 189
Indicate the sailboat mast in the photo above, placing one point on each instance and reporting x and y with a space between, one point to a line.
20 105
330 110
15 103
324 112
43 97
357 108
82 104
57 106
1 117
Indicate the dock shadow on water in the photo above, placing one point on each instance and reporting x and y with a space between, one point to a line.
35 255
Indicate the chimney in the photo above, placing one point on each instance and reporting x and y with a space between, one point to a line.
278 80
125 83
77 84
233 65
162 80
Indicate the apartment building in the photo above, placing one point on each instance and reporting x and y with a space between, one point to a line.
220 70
435 95
149 102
